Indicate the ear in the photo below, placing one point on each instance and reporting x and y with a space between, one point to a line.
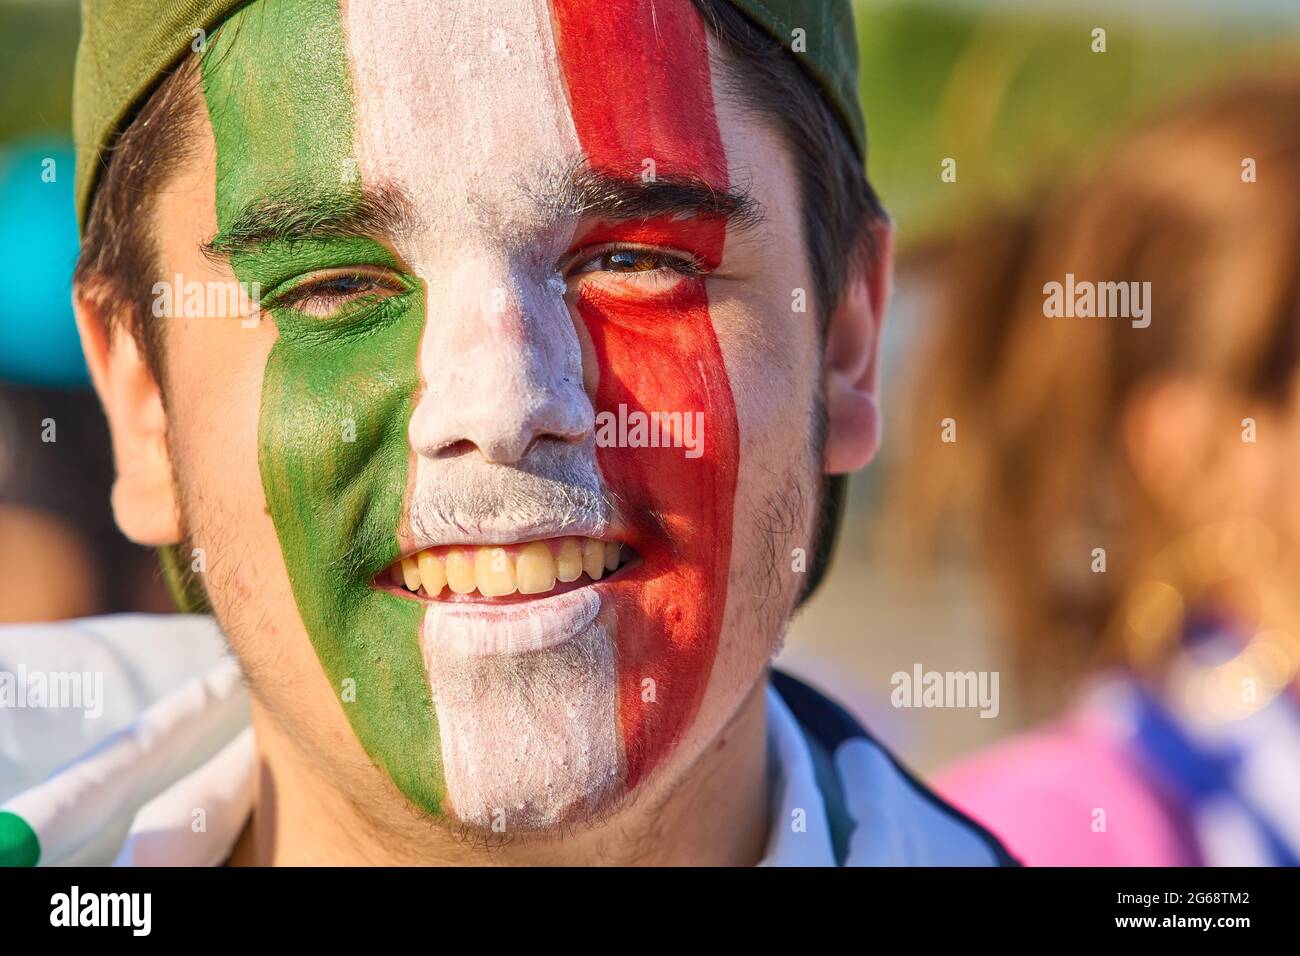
144 498
851 366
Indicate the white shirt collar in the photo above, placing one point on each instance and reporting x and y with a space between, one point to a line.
800 834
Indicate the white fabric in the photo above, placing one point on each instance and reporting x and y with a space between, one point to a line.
139 657
197 820
800 834
90 804
895 824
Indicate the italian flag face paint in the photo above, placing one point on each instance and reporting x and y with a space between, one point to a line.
362 413
279 94
648 96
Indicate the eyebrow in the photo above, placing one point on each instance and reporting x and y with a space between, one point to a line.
584 191
388 212
380 212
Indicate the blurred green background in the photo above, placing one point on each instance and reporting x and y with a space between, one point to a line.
1013 90
38 42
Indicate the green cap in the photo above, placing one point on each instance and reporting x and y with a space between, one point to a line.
128 46
821 36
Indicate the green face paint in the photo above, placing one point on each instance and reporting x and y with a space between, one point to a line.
337 392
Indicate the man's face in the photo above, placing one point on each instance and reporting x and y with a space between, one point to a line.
531 289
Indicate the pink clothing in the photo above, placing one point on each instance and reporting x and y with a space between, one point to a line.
1070 794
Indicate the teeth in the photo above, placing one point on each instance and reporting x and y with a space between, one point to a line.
568 563
593 558
432 576
535 571
410 574
497 571
460 573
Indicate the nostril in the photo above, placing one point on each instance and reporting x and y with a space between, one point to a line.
503 422
456 449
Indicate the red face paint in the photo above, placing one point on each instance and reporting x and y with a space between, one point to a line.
637 73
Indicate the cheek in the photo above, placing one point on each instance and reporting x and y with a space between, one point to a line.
772 363
765 315
215 376
774 371
335 464
214 372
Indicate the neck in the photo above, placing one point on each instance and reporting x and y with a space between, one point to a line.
714 814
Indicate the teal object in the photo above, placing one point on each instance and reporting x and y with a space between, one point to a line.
38 251
19 845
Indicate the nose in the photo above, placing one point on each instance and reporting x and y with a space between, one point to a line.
502 367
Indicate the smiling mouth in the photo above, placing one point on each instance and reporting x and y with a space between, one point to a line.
504 573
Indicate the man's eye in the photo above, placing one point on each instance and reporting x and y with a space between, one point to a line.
639 262
636 260
325 296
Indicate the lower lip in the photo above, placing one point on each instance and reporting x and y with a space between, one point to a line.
481 629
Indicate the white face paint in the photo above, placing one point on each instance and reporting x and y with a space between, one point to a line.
475 133
528 740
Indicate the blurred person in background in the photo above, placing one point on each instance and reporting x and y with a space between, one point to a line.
1127 482
61 555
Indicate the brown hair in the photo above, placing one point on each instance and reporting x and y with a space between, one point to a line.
1038 476
839 207
838 203
117 265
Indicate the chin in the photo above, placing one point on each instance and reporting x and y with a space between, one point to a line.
530 740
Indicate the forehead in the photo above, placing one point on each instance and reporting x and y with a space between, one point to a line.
473 107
